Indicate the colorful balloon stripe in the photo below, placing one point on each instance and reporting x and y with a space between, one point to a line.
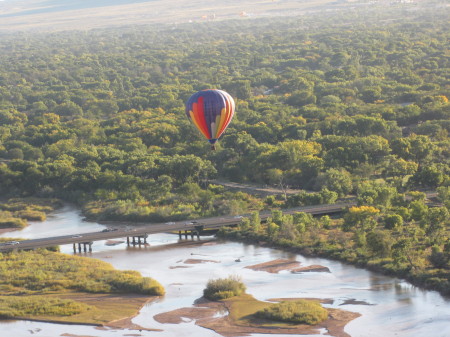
211 111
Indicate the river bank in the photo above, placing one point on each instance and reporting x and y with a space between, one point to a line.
389 307
428 278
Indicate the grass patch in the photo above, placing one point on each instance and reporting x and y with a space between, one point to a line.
104 308
77 307
299 312
44 271
53 286
244 310
21 306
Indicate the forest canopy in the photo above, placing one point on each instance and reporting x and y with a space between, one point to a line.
323 102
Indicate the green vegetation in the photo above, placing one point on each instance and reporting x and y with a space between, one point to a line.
340 109
224 288
25 277
15 306
300 312
15 212
244 308
30 273
99 119
7 220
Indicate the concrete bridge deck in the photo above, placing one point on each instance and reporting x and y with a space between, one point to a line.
86 239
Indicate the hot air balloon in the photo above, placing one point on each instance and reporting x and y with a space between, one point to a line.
211 111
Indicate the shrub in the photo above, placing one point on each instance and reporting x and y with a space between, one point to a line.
31 215
301 311
10 222
224 288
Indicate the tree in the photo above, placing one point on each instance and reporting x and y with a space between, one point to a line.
379 243
416 148
255 221
376 194
393 221
435 223
400 167
418 210
428 176
272 230
403 252
336 180
361 216
183 168
300 98
444 195
69 109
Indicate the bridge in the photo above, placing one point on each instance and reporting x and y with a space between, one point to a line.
136 234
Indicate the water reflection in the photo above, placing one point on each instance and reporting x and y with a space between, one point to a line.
395 308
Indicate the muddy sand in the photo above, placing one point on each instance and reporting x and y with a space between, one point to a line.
293 266
205 315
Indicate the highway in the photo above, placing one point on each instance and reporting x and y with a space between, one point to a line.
140 231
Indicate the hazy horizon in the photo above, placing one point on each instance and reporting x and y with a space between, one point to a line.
54 15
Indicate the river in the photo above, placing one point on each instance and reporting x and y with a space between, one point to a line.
388 306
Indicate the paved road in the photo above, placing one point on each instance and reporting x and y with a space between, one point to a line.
212 223
257 189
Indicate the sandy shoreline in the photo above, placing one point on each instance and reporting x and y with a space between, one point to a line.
6 230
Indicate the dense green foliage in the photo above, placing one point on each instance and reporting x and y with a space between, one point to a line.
99 116
224 288
44 272
300 312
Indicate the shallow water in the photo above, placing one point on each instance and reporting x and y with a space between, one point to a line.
389 306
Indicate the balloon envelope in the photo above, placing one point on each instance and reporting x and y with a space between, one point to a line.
211 111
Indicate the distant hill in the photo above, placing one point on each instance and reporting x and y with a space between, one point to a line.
56 15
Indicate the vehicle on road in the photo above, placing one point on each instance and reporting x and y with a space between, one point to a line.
109 230
170 223
9 243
